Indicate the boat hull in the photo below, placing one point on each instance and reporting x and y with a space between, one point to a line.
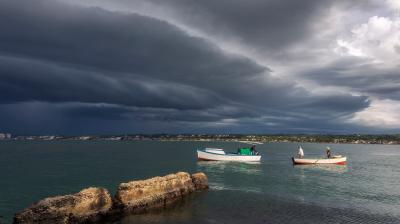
207 156
337 161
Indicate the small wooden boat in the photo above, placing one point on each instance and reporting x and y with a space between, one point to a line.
334 159
215 154
338 159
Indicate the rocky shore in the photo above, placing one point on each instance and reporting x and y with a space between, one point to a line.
92 205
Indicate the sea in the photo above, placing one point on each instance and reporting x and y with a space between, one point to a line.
366 190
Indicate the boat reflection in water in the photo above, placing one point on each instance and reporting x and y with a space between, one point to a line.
224 175
230 167
324 167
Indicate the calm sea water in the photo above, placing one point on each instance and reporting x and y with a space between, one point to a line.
367 190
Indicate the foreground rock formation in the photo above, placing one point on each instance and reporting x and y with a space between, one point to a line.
139 196
200 181
86 206
93 204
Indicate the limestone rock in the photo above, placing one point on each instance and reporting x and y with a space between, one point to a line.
84 206
95 204
200 181
138 196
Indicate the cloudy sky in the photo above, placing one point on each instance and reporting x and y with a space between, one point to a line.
175 66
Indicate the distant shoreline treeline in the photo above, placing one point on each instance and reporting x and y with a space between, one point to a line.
347 139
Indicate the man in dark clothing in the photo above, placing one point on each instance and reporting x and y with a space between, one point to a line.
328 152
253 150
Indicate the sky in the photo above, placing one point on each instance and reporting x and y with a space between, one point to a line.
183 66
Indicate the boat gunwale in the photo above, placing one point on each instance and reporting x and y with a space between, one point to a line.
333 161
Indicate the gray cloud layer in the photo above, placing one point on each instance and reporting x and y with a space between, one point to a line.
359 75
100 70
265 25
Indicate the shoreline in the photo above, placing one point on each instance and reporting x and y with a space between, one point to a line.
357 142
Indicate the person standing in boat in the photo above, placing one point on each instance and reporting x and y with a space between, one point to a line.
253 150
328 152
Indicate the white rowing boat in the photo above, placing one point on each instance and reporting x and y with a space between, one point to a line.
335 159
339 160
215 154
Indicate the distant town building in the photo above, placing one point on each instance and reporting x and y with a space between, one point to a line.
5 136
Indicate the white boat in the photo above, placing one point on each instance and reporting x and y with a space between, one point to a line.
334 159
215 154
338 159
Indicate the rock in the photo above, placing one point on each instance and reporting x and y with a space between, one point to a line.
139 196
95 204
200 181
85 206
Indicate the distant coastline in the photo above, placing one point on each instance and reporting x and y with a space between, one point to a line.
247 139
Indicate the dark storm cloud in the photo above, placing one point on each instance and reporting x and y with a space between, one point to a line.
90 63
27 80
33 118
129 44
360 75
340 104
94 111
113 41
263 24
